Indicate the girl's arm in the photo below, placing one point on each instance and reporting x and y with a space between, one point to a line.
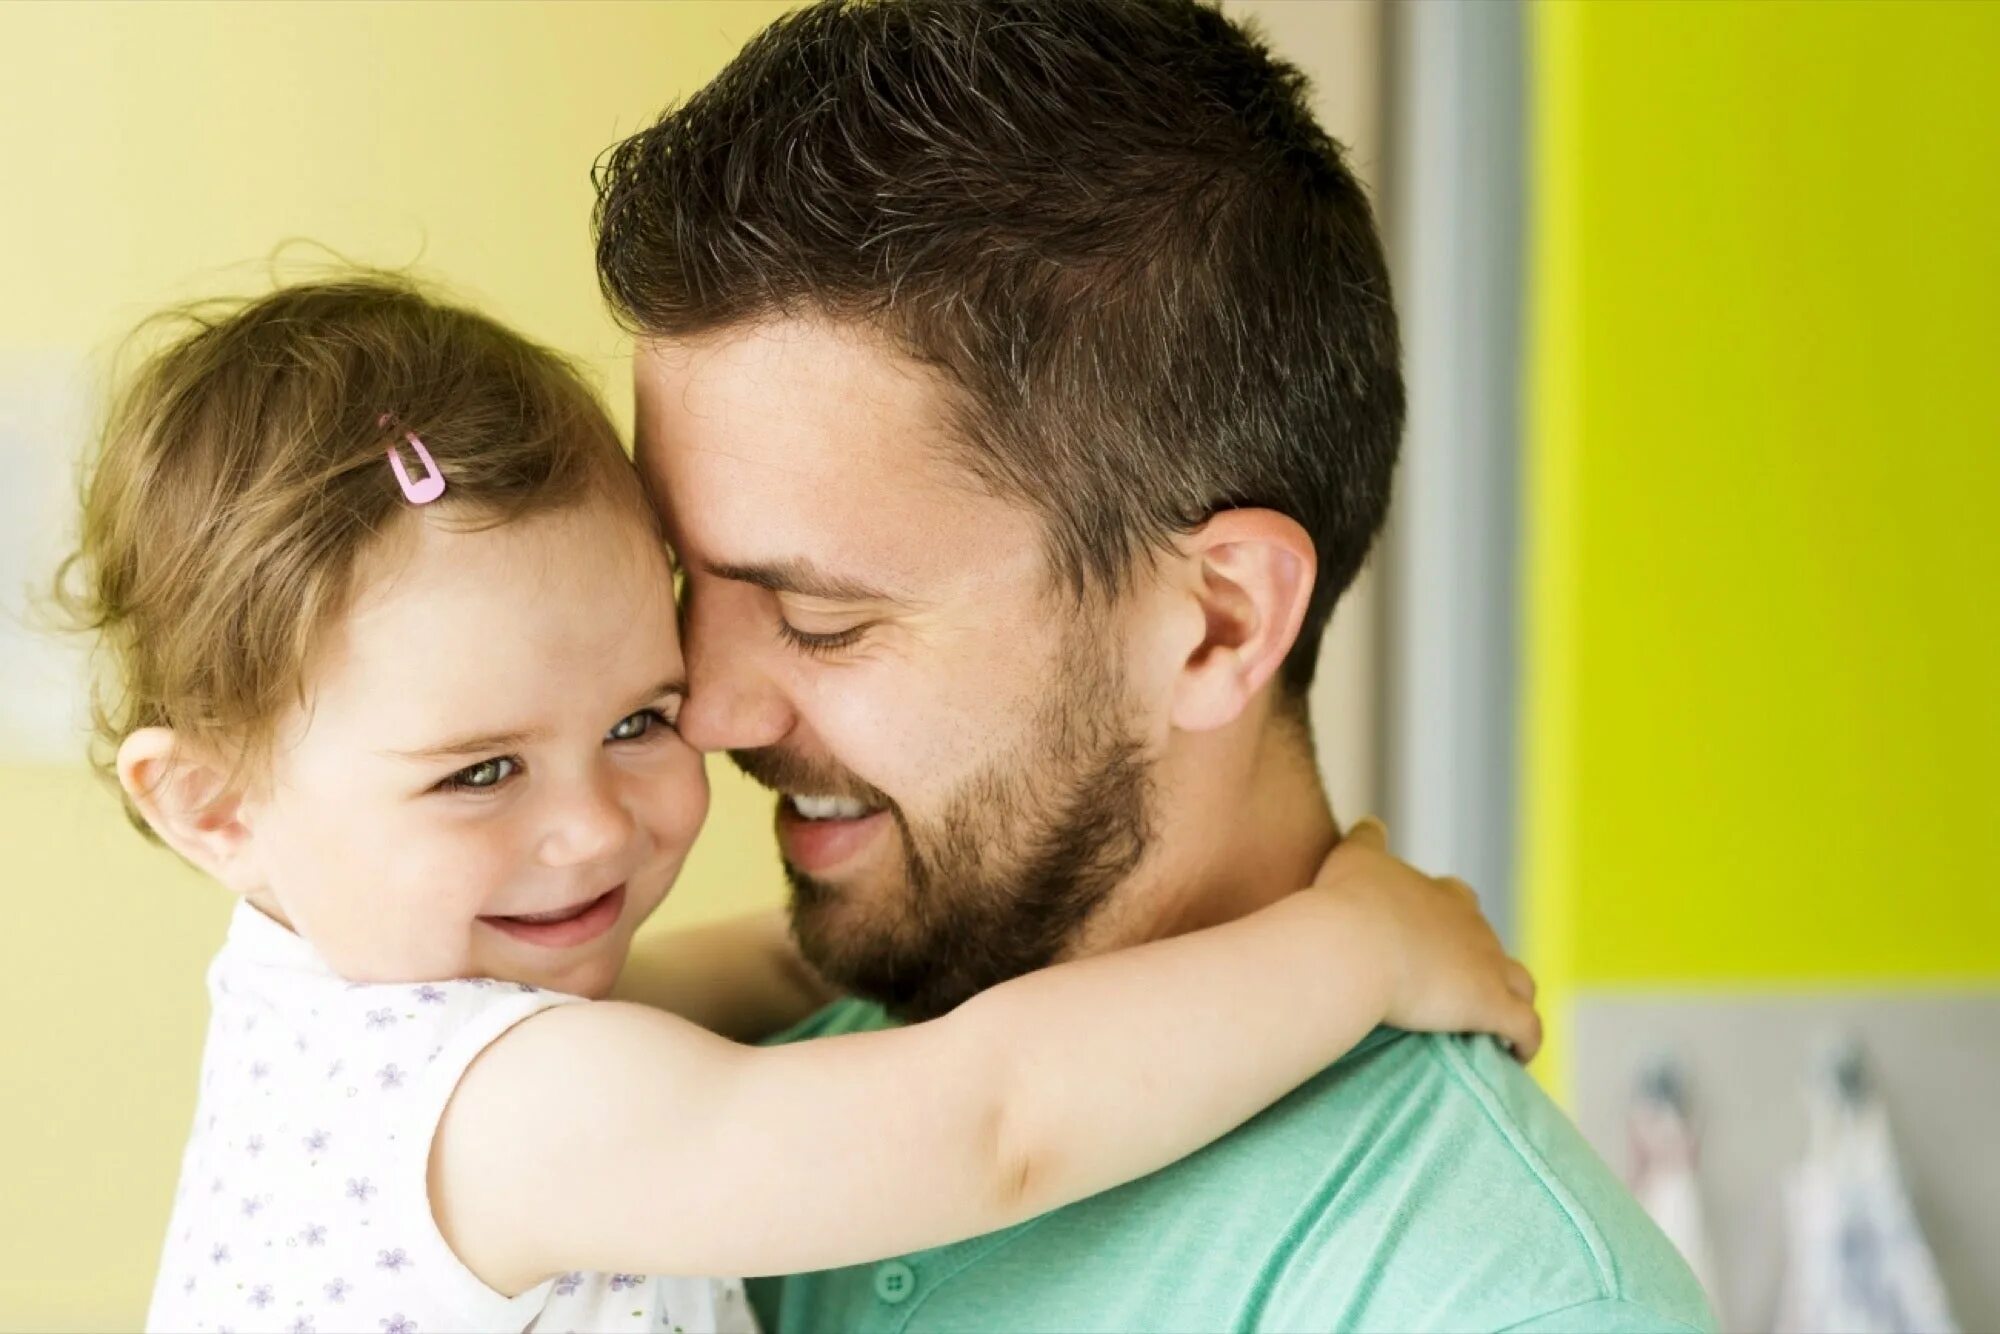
614 1137
741 977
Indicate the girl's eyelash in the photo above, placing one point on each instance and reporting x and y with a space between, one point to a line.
458 781
818 646
657 714
510 766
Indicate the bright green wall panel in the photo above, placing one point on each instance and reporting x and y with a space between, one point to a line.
1763 703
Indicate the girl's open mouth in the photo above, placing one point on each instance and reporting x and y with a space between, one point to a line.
565 928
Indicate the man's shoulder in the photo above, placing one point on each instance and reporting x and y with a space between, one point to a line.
1469 1200
1421 1182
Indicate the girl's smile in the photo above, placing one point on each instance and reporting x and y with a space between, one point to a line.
564 928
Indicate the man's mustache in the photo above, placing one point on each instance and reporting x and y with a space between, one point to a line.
782 771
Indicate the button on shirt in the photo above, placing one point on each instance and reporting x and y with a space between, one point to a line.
1423 1182
895 1282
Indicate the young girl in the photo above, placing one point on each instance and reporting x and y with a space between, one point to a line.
392 655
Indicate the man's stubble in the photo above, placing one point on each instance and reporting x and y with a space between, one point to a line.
999 884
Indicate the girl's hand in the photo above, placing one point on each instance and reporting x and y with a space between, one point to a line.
1443 970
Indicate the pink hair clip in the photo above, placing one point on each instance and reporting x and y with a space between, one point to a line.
425 489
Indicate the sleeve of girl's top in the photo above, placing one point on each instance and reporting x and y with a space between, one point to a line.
466 1017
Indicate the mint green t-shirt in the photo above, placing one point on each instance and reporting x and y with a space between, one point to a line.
1421 1183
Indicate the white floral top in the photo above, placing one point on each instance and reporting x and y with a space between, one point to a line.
303 1203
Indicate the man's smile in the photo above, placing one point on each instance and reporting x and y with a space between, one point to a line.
818 834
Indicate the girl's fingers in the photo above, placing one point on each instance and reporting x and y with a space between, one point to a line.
1520 981
1526 1036
1370 831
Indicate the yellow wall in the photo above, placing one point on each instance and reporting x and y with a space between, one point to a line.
1763 690
145 155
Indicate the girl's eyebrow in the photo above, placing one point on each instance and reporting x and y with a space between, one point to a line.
487 742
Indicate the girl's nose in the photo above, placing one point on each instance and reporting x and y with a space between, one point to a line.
591 825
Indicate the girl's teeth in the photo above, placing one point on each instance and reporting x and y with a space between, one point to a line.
829 808
560 914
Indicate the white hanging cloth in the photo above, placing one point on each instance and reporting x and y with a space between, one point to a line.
1855 1260
1664 1153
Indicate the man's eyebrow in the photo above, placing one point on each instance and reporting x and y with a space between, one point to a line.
486 743
803 578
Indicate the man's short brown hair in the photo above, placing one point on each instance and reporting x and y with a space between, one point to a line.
1113 224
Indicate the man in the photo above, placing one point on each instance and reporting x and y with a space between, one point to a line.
1019 382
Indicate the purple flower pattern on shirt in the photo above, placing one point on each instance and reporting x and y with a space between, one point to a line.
263 1219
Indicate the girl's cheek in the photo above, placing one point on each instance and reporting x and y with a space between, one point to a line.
680 799
472 857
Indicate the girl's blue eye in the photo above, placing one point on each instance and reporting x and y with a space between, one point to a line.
636 725
483 776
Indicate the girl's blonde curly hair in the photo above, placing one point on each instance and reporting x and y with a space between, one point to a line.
243 471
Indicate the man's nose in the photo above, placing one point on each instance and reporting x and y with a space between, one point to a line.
733 702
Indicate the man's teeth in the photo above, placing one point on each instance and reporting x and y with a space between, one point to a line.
828 808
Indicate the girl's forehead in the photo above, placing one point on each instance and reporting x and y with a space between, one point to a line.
540 616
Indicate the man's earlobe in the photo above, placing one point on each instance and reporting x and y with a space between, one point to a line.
188 797
1255 570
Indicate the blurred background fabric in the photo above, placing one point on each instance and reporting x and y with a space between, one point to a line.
1681 646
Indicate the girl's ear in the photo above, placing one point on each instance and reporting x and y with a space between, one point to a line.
187 796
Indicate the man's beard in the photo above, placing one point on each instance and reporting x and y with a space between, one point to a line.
1000 884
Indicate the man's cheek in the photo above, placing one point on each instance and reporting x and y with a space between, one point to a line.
877 730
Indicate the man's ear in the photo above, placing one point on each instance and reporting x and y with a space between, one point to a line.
187 795
1252 573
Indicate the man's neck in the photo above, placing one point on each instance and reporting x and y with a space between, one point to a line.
1241 820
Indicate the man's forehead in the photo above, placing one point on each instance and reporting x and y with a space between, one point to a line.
804 441
796 395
